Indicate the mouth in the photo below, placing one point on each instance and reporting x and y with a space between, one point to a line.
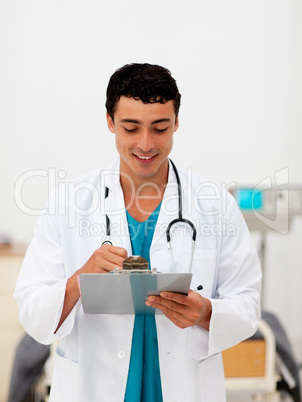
145 158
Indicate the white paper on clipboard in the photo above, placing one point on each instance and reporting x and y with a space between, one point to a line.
125 293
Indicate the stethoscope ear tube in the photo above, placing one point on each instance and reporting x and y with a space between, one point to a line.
107 218
107 240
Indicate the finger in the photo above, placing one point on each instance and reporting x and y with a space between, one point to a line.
108 267
115 250
166 305
191 312
117 261
192 300
109 254
103 261
177 318
98 265
175 297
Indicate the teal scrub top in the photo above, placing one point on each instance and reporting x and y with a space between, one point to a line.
143 384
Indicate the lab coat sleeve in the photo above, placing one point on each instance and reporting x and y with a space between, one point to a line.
236 293
40 287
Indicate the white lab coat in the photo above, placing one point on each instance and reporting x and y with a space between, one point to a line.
92 359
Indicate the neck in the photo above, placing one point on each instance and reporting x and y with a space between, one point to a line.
147 187
143 194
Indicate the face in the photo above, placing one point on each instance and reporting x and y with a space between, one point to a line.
144 137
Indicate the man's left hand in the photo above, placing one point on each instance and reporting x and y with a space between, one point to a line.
183 311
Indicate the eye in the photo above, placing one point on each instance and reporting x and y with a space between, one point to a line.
158 130
128 130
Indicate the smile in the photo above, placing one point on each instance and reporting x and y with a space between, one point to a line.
145 158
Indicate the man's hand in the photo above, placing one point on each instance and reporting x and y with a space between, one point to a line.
183 311
104 260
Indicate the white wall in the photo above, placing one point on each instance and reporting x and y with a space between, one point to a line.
238 65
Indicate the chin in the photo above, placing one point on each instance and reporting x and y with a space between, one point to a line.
145 172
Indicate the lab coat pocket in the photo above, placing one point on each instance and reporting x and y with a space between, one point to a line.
203 270
65 380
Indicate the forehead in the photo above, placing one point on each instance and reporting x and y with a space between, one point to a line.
131 108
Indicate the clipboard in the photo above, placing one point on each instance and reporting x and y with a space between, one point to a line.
126 293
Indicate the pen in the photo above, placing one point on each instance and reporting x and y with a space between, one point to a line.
199 287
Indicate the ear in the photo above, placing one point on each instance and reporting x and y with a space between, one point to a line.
110 123
176 124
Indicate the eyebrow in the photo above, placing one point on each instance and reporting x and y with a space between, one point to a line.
139 122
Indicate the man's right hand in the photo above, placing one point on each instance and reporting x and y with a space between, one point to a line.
104 260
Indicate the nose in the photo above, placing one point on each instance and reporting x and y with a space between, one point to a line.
145 141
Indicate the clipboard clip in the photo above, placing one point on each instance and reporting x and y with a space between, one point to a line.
135 264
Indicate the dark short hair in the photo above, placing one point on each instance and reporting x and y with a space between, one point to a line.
149 83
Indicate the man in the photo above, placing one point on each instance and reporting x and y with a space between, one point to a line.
174 356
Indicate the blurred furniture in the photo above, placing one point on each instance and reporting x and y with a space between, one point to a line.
41 387
263 366
11 331
29 365
251 366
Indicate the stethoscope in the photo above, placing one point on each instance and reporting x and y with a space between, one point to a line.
168 231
